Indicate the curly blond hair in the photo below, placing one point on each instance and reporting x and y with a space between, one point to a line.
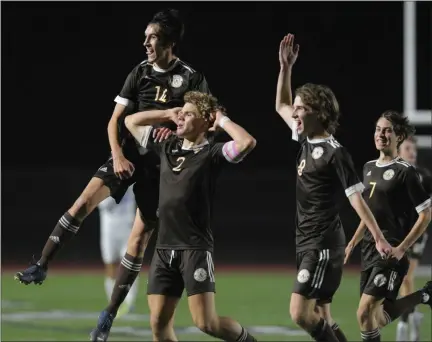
205 103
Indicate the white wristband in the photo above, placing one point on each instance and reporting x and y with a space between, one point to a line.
223 120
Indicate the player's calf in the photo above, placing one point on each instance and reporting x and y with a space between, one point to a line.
202 308
367 313
162 309
305 314
323 309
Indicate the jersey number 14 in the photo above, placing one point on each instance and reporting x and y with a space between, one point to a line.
160 94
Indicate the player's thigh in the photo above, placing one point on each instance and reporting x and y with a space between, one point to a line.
197 270
319 274
369 306
203 309
164 278
301 308
383 282
116 187
162 310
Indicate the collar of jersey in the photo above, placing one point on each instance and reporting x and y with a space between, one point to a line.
205 142
377 163
173 65
317 141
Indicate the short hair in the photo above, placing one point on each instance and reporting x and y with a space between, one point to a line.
412 139
171 27
401 125
323 101
205 103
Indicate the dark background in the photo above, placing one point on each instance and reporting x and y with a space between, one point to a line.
64 63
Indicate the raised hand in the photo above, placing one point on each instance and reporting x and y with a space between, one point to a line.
288 52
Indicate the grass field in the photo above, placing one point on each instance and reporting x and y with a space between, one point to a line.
66 306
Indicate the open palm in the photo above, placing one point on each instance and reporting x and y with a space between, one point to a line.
288 52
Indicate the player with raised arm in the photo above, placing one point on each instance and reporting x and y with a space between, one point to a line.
183 258
393 190
323 165
410 320
157 83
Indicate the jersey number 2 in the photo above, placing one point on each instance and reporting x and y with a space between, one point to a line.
160 94
181 160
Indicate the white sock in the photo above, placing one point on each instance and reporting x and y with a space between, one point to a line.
402 332
109 286
133 292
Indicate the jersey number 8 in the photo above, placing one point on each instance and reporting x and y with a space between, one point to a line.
301 167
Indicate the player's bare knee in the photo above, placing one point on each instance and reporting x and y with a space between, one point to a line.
207 325
366 312
158 324
299 316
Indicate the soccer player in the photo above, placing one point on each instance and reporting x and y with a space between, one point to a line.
157 83
116 221
393 189
411 319
183 258
323 166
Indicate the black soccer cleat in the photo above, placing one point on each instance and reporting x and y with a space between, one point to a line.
34 274
427 293
102 330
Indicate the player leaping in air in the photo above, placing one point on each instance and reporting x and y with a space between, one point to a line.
323 166
393 191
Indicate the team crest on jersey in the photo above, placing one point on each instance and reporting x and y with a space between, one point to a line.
380 280
303 276
177 81
200 274
388 174
317 152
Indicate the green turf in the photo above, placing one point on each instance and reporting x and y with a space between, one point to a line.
258 299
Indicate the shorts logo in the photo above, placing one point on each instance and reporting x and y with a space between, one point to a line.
380 280
317 152
388 174
177 81
303 276
426 298
103 169
200 274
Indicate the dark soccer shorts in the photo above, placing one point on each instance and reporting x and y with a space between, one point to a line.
146 186
172 271
384 280
417 249
319 274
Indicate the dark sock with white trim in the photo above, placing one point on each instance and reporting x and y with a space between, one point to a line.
371 336
65 229
339 333
128 270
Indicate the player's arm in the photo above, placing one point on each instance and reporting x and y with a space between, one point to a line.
358 236
242 142
122 167
150 117
422 203
284 100
345 170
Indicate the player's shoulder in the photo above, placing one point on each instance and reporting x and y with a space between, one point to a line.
404 166
370 163
186 67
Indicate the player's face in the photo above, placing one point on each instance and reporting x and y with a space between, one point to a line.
385 137
408 151
304 117
190 124
155 48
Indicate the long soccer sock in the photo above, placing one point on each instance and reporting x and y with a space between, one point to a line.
109 285
245 336
402 332
323 332
339 333
128 270
65 229
371 336
393 310
131 296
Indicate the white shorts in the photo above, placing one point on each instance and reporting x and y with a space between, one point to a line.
114 238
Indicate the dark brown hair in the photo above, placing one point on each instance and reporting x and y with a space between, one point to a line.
400 123
323 101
